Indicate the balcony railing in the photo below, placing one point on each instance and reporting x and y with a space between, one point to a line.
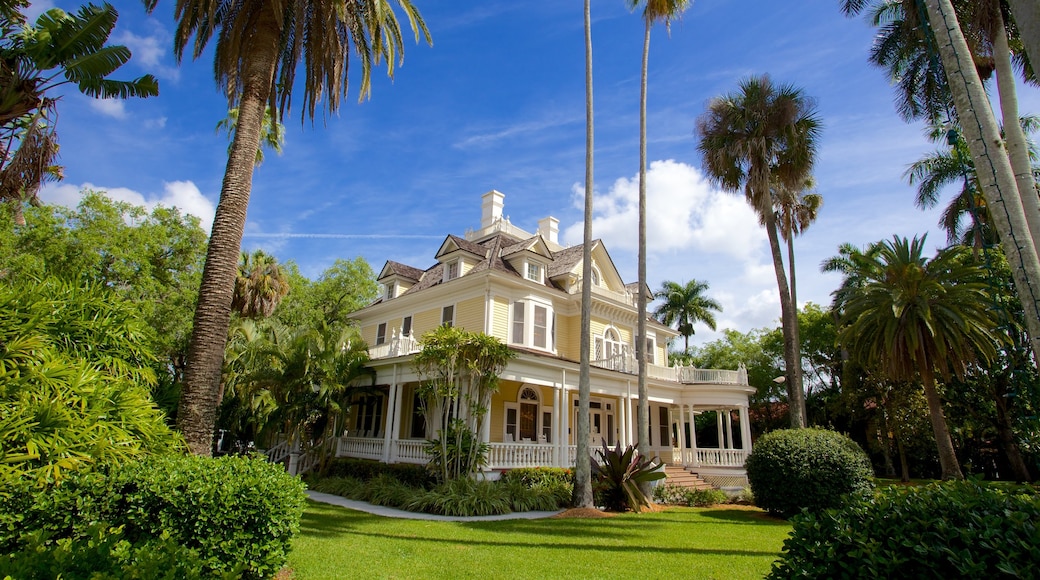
625 363
399 345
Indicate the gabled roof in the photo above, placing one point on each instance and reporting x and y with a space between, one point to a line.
566 259
534 244
453 243
398 269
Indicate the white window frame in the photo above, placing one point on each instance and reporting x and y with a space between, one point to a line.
518 316
406 325
525 326
450 321
390 291
539 421
540 277
381 333
651 349
596 278
449 274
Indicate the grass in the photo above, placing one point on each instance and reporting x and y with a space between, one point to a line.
721 542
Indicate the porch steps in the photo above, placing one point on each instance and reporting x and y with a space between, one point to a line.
678 475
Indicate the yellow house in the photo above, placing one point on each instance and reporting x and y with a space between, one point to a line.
525 289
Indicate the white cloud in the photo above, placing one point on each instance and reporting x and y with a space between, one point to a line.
149 51
114 108
156 123
184 195
37 8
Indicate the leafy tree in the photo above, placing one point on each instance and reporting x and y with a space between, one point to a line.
59 48
260 285
343 288
260 46
459 373
916 317
653 11
760 137
685 305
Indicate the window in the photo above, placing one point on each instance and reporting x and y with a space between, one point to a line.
406 326
381 333
448 316
370 416
390 290
534 271
595 277
546 426
518 322
452 271
664 425
541 316
418 430
651 345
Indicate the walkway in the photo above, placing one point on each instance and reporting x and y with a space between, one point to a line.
389 512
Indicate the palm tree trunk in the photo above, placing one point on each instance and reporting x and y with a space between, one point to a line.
991 162
788 319
1014 136
582 495
643 420
796 329
951 469
1027 19
197 412
1005 433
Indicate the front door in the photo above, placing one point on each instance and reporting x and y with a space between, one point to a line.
601 424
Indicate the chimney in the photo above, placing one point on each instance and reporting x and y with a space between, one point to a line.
491 208
549 228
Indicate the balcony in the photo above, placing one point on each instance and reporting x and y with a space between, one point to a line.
625 363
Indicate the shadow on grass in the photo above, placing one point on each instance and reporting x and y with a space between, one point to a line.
745 517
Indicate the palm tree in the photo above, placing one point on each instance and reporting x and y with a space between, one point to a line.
260 46
653 11
272 132
582 496
259 286
759 137
1027 19
685 305
58 49
915 317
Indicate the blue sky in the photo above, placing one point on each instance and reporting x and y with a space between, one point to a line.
498 103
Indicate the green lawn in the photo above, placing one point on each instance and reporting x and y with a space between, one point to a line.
680 543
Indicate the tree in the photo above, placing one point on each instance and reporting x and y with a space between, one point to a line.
913 317
260 46
459 373
260 285
685 305
760 137
582 496
345 286
272 132
653 11
59 48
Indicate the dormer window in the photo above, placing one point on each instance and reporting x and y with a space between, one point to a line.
534 272
452 271
390 290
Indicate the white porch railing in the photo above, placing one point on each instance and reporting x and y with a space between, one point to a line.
278 452
693 375
512 455
410 451
398 345
360 447
715 457
626 363
315 454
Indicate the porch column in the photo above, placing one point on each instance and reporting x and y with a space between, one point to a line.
555 429
565 426
729 429
395 435
693 437
628 416
682 435
718 424
745 428
391 420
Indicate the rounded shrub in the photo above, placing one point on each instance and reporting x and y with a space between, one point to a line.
943 530
814 469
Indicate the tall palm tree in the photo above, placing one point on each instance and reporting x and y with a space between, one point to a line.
260 45
913 317
583 464
1013 209
654 11
260 285
685 305
759 137
272 132
1027 19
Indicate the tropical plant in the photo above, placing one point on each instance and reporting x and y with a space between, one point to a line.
260 46
685 305
623 474
272 132
59 48
459 373
761 137
913 317
653 11
259 286
583 493
795 210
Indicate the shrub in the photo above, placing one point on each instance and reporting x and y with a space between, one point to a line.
463 497
619 474
236 514
678 495
385 490
814 469
363 469
347 487
943 530
554 482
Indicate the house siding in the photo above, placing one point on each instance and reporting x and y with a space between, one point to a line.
469 314
568 337
500 319
426 320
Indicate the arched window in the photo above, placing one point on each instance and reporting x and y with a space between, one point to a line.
528 401
523 418
595 277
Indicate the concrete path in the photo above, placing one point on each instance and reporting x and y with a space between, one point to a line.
396 513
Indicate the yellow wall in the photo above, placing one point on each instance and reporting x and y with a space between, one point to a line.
507 391
568 336
426 321
469 314
368 334
500 320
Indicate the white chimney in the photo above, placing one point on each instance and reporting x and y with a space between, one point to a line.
491 208
549 228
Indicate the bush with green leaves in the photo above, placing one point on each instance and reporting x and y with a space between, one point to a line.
237 515
673 494
464 497
815 469
457 452
556 482
955 529
365 469
618 474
